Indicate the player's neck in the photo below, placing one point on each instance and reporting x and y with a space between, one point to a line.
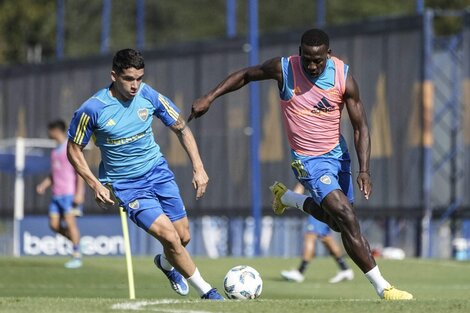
116 94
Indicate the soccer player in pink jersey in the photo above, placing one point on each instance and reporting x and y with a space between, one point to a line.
68 190
314 87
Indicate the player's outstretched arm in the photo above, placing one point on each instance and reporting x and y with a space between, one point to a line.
358 118
77 159
186 138
270 69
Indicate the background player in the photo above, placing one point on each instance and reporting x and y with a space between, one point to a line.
136 174
317 229
68 191
314 87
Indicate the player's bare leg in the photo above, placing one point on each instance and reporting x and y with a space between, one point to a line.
345 272
175 255
341 217
182 228
297 275
56 226
337 205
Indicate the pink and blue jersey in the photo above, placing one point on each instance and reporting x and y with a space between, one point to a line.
64 177
311 108
123 131
311 111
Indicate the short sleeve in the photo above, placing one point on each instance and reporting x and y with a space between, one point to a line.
84 121
166 110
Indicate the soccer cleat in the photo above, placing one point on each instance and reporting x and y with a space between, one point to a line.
177 281
392 293
212 295
293 275
278 189
74 263
342 275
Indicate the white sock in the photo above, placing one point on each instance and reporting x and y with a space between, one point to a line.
294 200
376 279
198 283
165 264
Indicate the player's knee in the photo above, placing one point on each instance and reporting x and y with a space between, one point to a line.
55 227
345 215
172 241
185 239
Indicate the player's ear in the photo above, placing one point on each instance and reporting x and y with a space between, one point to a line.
300 50
329 53
113 76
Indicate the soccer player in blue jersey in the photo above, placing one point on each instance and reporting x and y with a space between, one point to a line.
133 173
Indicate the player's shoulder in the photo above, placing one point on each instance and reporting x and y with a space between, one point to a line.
95 103
147 92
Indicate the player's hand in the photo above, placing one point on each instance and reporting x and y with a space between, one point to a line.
365 184
79 198
199 108
41 189
103 197
200 181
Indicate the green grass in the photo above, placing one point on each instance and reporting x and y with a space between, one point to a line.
43 285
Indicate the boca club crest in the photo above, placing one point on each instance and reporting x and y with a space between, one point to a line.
143 114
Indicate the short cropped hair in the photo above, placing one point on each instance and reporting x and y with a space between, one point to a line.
127 58
315 37
57 124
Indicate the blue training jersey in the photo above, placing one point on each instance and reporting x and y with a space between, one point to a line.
123 131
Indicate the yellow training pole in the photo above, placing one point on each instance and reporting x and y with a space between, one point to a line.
127 248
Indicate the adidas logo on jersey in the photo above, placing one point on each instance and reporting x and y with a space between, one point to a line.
322 106
111 122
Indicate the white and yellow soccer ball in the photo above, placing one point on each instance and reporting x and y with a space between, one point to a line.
243 282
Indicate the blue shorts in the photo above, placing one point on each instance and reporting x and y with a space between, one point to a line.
147 197
322 175
316 227
61 205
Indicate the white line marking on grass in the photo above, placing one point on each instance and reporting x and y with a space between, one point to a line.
144 305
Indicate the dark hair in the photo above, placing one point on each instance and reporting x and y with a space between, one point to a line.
127 58
57 124
315 37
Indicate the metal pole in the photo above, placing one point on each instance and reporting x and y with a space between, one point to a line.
105 26
428 115
19 194
255 125
140 24
419 6
231 18
321 13
59 36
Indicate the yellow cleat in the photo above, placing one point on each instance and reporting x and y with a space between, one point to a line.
392 293
278 189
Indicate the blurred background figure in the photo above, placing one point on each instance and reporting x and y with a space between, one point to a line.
316 229
67 192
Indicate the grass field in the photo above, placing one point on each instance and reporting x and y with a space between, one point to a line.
43 285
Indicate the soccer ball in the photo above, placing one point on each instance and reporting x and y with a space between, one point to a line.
243 282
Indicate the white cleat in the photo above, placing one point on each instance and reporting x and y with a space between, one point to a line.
342 275
293 275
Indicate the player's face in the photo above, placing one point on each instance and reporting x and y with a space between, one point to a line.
314 59
55 134
127 83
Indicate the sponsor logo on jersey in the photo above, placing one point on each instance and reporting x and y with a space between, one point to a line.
143 114
325 179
